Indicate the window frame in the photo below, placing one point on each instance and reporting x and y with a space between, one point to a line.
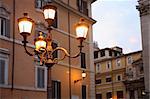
83 60
82 6
84 91
45 76
56 89
5 57
108 77
129 62
120 77
118 64
108 94
108 62
98 81
98 68
96 54
6 27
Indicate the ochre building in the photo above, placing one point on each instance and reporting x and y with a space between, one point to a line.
111 67
21 76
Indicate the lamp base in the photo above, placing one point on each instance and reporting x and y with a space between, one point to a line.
25 34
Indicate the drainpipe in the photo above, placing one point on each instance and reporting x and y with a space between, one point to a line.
13 47
69 53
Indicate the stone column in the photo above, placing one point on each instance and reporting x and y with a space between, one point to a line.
144 9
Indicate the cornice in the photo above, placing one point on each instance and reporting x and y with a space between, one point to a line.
73 10
143 7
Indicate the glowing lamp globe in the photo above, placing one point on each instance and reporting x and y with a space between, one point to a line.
83 74
25 25
49 12
81 29
40 43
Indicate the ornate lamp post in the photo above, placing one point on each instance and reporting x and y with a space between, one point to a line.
43 46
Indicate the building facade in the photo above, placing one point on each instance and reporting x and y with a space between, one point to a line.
134 80
144 12
21 76
111 67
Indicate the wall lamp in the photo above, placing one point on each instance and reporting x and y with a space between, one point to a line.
43 45
83 76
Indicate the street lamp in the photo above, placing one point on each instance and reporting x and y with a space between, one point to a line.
83 76
43 45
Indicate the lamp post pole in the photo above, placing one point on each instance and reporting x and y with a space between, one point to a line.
49 83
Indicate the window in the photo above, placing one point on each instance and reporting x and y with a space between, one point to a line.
108 65
118 77
82 6
129 60
83 60
40 3
110 53
115 53
85 8
98 81
119 94
95 54
56 90
98 96
3 69
55 54
4 27
108 79
55 25
118 62
83 92
102 53
41 76
98 67
108 95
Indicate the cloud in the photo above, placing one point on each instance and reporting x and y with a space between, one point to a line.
133 40
118 24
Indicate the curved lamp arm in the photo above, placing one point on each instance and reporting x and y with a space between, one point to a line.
30 54
25 46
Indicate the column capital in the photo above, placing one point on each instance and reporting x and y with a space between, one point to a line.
143 7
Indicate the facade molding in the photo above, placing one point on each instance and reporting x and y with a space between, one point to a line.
32 46
73 10
106 87
22 88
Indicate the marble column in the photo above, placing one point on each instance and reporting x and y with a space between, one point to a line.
144 9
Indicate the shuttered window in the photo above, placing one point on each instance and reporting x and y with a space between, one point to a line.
55 54
40 3
3 69
41 76
83 60
56 90
82 6
55 25
83 92
4 27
